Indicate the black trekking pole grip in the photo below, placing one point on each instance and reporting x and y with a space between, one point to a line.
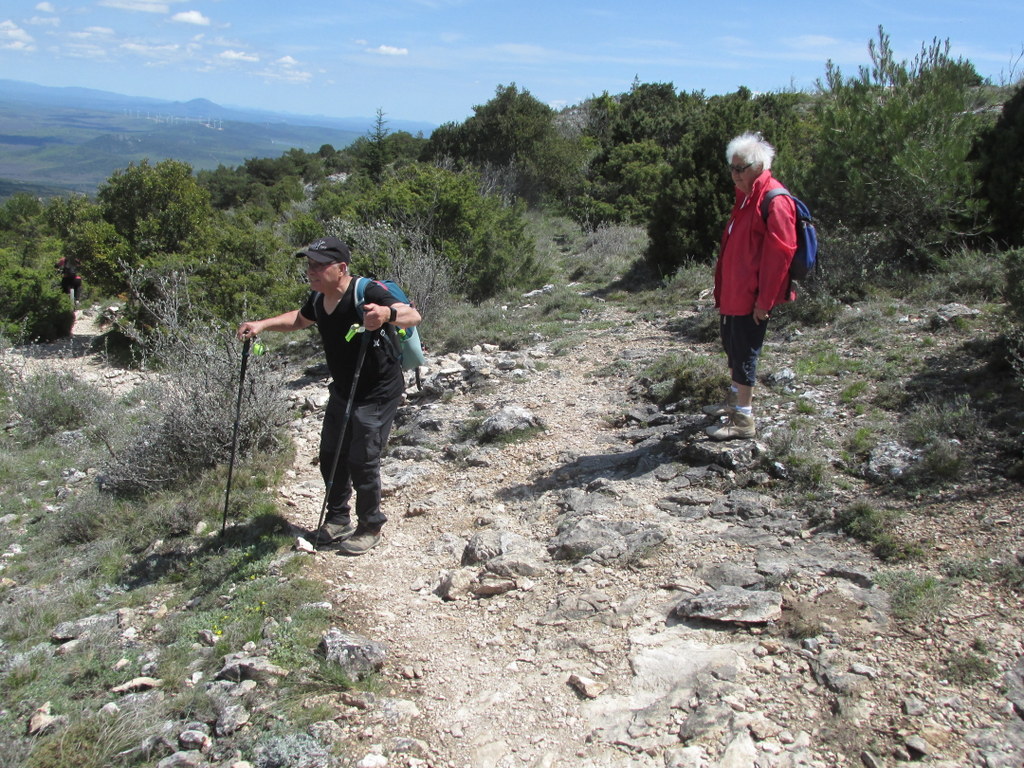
344 428
234 434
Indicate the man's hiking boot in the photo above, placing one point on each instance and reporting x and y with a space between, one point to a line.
738 426
723 408
360 542
333 531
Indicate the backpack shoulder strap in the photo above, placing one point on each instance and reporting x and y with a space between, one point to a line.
317 297
360 293
770 195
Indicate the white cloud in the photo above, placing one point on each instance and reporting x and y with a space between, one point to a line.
150 51
390 50
812 41
286 69
238 56
14 38
191 17
90 32
149 6
52 21
286 72
85 51
224 42
46 7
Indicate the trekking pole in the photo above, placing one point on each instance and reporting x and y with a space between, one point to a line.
234 436
344 422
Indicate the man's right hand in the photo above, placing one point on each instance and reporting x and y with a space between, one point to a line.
248 330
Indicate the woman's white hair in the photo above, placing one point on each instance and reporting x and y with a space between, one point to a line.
751 148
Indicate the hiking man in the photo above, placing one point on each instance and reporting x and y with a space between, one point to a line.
70 280
379 386
751 277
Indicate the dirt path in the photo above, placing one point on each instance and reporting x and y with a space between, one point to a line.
489 682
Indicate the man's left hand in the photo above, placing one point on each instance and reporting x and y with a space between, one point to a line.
375 315
760 315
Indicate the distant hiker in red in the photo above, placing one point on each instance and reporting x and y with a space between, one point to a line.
70 280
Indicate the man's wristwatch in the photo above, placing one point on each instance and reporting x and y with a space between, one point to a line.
394 315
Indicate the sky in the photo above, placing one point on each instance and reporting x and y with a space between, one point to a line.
435 60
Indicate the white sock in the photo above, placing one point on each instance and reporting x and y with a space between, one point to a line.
746 410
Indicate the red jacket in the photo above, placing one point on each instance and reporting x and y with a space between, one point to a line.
754 258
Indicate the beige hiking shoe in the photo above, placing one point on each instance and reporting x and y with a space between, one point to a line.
360 542
738 426
723 408
333 532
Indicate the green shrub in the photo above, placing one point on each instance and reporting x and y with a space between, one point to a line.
850 266
968 668
813 306
874 526
1014 285
861 441
462 326
693 281
563 303
824 361
999 151
990 570
941 461
963 275
607 253
189 427
96 740
33 306
800 452
296 750
852 391
56 402
482 239
805 407
880 132
915 596
939 430
684 376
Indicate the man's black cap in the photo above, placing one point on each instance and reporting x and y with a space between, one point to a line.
326 250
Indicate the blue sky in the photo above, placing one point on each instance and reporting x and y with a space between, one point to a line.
434 60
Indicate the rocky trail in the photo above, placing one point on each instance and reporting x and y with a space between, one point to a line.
612 589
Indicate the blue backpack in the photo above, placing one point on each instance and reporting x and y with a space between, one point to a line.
806 255
410 350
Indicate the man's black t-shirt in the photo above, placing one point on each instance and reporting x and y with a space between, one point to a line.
381 376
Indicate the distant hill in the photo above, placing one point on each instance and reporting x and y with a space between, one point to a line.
74 138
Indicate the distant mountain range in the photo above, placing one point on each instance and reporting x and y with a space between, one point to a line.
56 140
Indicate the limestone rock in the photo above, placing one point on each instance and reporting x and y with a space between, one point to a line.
242 666
358 656
733 605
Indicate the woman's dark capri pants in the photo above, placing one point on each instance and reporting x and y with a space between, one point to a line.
743 339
